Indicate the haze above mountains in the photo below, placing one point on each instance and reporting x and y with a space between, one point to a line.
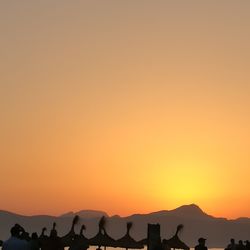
196 223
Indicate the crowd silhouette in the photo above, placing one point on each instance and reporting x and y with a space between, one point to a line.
22 240
240 246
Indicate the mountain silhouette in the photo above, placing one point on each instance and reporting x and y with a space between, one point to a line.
186 211
196 223
90 214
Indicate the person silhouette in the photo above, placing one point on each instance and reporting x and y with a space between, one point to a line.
232 245
247 245
201 245
33 244
240 246
14 242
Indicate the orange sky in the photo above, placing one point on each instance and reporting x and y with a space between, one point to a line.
125 106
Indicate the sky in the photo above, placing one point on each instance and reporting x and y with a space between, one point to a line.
125 106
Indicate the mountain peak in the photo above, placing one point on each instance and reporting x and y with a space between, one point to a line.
186 211
191 207
189 210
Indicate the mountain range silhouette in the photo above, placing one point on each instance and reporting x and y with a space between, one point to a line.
196 223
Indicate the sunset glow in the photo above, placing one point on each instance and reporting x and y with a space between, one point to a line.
125 106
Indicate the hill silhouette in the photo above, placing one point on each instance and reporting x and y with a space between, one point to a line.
197 223
185 210
87 214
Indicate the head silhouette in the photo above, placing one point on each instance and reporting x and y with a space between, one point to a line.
14 231
202 241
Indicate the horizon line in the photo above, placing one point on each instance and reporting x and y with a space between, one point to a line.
121 216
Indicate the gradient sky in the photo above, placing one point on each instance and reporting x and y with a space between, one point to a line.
125 106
